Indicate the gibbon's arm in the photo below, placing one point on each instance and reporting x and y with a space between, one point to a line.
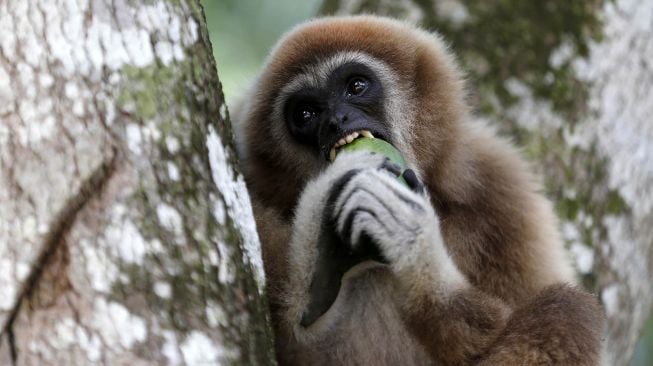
455 322
452 319
364 199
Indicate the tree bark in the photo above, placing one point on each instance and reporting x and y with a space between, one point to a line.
570 83
126 232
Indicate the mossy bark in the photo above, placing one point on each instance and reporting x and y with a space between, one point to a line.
126 233
570 83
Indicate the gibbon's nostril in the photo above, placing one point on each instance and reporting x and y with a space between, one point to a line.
342 117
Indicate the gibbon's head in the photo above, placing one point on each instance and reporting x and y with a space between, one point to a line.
331 79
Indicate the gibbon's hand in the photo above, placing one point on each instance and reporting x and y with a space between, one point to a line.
358 210
372 203
326 257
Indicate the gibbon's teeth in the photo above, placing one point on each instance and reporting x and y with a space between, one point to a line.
346 140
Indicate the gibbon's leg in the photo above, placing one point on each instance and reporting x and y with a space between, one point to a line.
560 326
457 323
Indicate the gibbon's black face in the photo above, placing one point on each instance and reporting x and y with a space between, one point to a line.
349 106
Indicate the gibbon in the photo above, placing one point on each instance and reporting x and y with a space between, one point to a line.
461 265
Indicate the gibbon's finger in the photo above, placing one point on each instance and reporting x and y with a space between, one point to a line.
391 167
365 200
336 190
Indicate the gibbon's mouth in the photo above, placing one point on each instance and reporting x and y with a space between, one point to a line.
346 140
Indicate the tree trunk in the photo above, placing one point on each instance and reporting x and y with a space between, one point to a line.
126 232
571 83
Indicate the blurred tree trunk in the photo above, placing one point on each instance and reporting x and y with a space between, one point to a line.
571 82
126 232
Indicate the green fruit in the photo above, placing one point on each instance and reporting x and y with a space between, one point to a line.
378 146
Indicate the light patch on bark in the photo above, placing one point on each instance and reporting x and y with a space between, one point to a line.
236 199
170 219
68 334
223 111
163 289
171 349
406 10
173 172
219 211
453 10
118 328
531 113
101 269
172 144
610 299
198 349
6 94
134 138
584 257
8 284
123 237
215 315
221 259
564 53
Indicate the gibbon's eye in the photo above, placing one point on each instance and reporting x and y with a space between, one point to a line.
357 86
305 114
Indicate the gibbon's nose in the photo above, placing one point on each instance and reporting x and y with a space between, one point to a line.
338 119
342 117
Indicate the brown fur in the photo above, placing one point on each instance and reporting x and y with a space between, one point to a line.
499 230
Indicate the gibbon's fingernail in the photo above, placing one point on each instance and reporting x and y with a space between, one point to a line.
336 189
413 182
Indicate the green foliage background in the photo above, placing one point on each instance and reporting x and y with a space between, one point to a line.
243 31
